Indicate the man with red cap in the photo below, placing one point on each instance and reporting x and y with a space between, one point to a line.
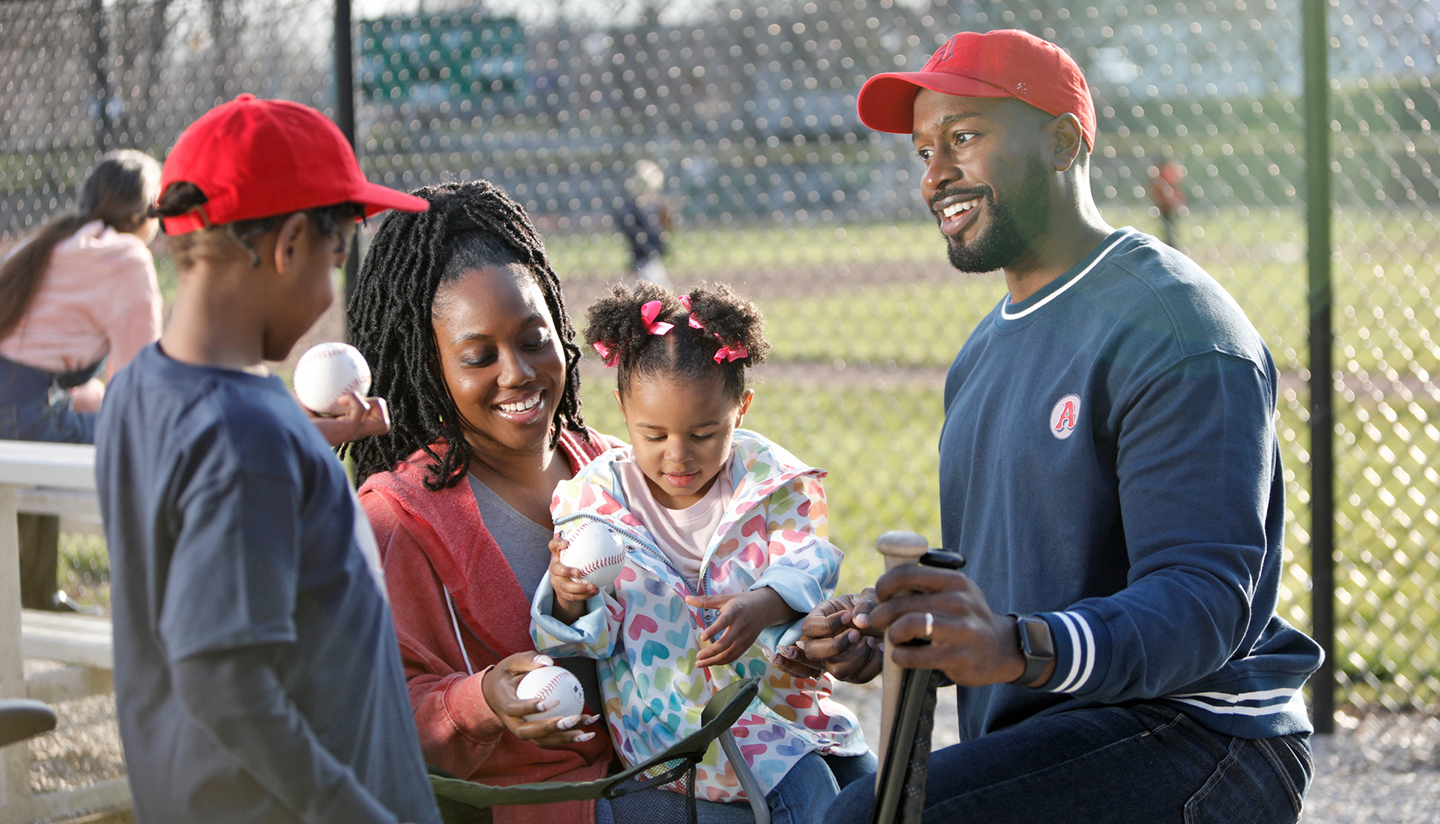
257 678
1108 466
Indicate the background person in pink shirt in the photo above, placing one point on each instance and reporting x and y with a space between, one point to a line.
77 297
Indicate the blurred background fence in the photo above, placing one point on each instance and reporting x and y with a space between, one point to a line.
769 181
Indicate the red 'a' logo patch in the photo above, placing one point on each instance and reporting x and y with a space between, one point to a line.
1065 416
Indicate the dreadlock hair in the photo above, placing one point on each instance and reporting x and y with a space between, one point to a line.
117 191
469 225
725 319
181 197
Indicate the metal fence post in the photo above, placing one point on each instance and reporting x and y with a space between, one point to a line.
1322 390
345 113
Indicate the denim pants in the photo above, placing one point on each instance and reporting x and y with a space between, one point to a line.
801 797
1107 765
35 407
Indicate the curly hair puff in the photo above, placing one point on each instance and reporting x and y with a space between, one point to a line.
716 318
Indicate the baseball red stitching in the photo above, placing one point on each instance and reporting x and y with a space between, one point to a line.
548 688
596 564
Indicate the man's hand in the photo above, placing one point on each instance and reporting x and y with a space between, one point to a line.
571 593
360 418
743 616
837 636
968 642
499 687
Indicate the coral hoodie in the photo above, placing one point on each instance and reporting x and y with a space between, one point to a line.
434 541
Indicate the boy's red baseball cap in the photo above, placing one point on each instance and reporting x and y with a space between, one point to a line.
1002 63
256 158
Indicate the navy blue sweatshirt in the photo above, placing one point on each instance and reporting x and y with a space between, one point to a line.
1109 460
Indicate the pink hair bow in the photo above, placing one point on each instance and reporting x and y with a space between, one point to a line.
648 313
605 352
731 353
695 322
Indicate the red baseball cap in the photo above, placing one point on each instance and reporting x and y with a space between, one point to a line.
256 158
1002 63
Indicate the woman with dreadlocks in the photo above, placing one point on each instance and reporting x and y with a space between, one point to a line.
460 315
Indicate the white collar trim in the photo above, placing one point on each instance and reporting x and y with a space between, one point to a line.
1007 315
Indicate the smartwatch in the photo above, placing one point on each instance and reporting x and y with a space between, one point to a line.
1036 645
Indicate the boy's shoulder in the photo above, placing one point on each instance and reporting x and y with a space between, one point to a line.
206 414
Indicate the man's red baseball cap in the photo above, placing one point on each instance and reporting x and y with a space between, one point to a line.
255 158
1002 63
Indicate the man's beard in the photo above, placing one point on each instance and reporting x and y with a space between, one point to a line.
1020 218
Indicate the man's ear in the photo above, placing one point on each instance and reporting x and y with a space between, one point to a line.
1067 141
291 240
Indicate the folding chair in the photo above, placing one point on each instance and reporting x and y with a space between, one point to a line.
469 802
22 718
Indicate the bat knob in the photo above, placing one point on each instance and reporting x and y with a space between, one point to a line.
902 547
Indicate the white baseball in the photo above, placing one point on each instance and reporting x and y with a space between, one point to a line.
328 372
595 552
552 683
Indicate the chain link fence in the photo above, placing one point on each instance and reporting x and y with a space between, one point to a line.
735 124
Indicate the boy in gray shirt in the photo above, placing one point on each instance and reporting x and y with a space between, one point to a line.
257 675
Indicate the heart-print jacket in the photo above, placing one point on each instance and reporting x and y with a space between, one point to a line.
646 637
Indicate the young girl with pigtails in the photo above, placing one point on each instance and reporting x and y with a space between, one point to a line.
726 551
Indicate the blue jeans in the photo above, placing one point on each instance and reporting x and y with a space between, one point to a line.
1134 763
801 797
34 408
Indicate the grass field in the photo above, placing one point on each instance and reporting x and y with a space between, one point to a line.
882 297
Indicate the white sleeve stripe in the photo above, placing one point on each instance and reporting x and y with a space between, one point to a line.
1090 651
1272 709
1077 650
1236 698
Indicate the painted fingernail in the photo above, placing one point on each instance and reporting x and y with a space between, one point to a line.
568 723
545 660
584 736
546 706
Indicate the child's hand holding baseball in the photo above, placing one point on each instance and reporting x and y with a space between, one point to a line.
571 593
359 418
743 616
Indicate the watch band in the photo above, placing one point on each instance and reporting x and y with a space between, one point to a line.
1033 635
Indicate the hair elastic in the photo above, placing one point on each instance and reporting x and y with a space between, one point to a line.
726 352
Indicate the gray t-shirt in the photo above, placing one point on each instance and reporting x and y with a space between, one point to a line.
239 555
526 546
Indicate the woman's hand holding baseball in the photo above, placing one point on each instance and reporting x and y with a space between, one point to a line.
499 686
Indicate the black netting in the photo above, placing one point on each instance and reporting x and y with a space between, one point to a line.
674 800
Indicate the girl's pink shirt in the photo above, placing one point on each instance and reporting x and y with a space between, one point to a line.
98 295
682 534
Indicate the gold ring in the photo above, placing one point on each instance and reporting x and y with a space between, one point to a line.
929 624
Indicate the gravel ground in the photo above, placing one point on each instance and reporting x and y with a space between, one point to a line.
1375 768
